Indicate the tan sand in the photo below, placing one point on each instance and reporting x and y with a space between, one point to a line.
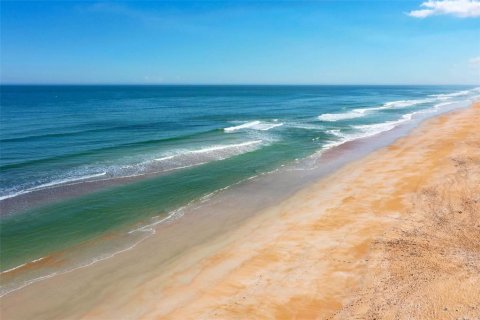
393 236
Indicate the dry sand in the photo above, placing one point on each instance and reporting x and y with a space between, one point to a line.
393 236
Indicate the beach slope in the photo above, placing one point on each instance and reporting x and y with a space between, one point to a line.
395 235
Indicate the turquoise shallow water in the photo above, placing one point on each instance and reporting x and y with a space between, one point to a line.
186 141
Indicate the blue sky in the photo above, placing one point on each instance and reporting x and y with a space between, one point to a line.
241 42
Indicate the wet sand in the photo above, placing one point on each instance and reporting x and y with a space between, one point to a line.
392 236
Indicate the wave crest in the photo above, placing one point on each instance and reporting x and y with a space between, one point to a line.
254 125
357 113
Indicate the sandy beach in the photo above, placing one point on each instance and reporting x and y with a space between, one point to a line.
395 235
240 160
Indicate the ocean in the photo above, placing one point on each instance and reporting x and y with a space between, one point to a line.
86 170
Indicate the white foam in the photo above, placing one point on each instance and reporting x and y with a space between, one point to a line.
433 98
445 96
360 112
374 129
151 227
183 158
406 103
335 132
357 113
398 104
369 130
266 126
224 147
306 126
242 126
22 265
165 158
52 184
14 268
365 131
254 125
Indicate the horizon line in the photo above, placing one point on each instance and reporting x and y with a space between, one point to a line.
239 84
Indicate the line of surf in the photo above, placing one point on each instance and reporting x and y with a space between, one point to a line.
254 125
52 184
398 104
211 149
369 130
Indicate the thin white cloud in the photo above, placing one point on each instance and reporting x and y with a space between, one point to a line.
475 61
457 8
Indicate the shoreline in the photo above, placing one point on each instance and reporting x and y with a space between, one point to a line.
230 268
55 191
288 179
